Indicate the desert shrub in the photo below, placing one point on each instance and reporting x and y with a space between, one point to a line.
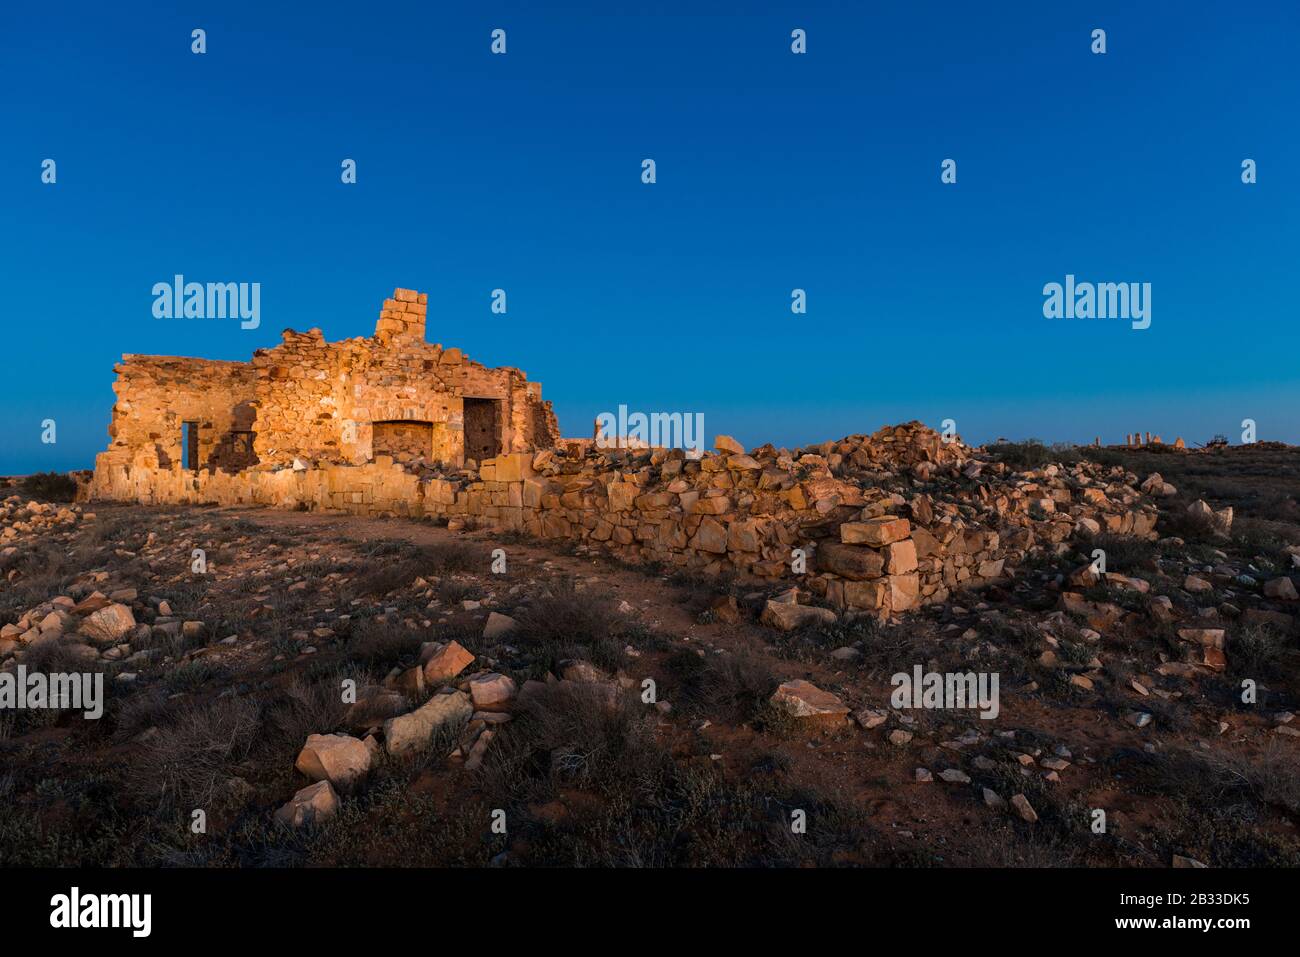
234 616
1206 778
239 526
811 642
446 557
452 591
1032 454
1256 651
57 655
1125 553
45 570
1266 538
187 762
191 675
398 548
1220 801
1190 527
1059 814
731 686
145 708
571 734
588 785
284 617
302 708
186 596
121 527
404 562
15 723
885 648
1102 456
566 623
382 645
387 578
50 487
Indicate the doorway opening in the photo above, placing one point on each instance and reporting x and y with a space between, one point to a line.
190 446
482 428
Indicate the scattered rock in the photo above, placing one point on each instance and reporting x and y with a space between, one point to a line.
1283 589
870 718
492 692
1024 808
993 799
498 626
109 625
787 617
341 760
446 663
314 804
411 732
804 700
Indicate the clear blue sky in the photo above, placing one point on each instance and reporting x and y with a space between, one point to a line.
775 171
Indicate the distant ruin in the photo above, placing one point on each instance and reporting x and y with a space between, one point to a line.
308 400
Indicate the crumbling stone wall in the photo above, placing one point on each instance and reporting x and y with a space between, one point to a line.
875 523
315 402
157 395
404 441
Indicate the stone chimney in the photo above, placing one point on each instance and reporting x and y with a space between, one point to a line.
403 316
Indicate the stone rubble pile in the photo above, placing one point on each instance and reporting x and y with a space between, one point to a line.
92 626
883 522
22 522
469 707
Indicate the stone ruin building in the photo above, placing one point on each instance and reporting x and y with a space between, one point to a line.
312 402
389 425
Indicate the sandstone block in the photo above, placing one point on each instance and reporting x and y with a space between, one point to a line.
446 663
492 692
904 590
410 732
1282 589
710 537
717 505
901 557
784 616
108 625
804 700
499 625
314 804
855 562
341 760
879 531
743 537
867 595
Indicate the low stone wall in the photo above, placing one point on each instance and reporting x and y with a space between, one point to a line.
822 518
